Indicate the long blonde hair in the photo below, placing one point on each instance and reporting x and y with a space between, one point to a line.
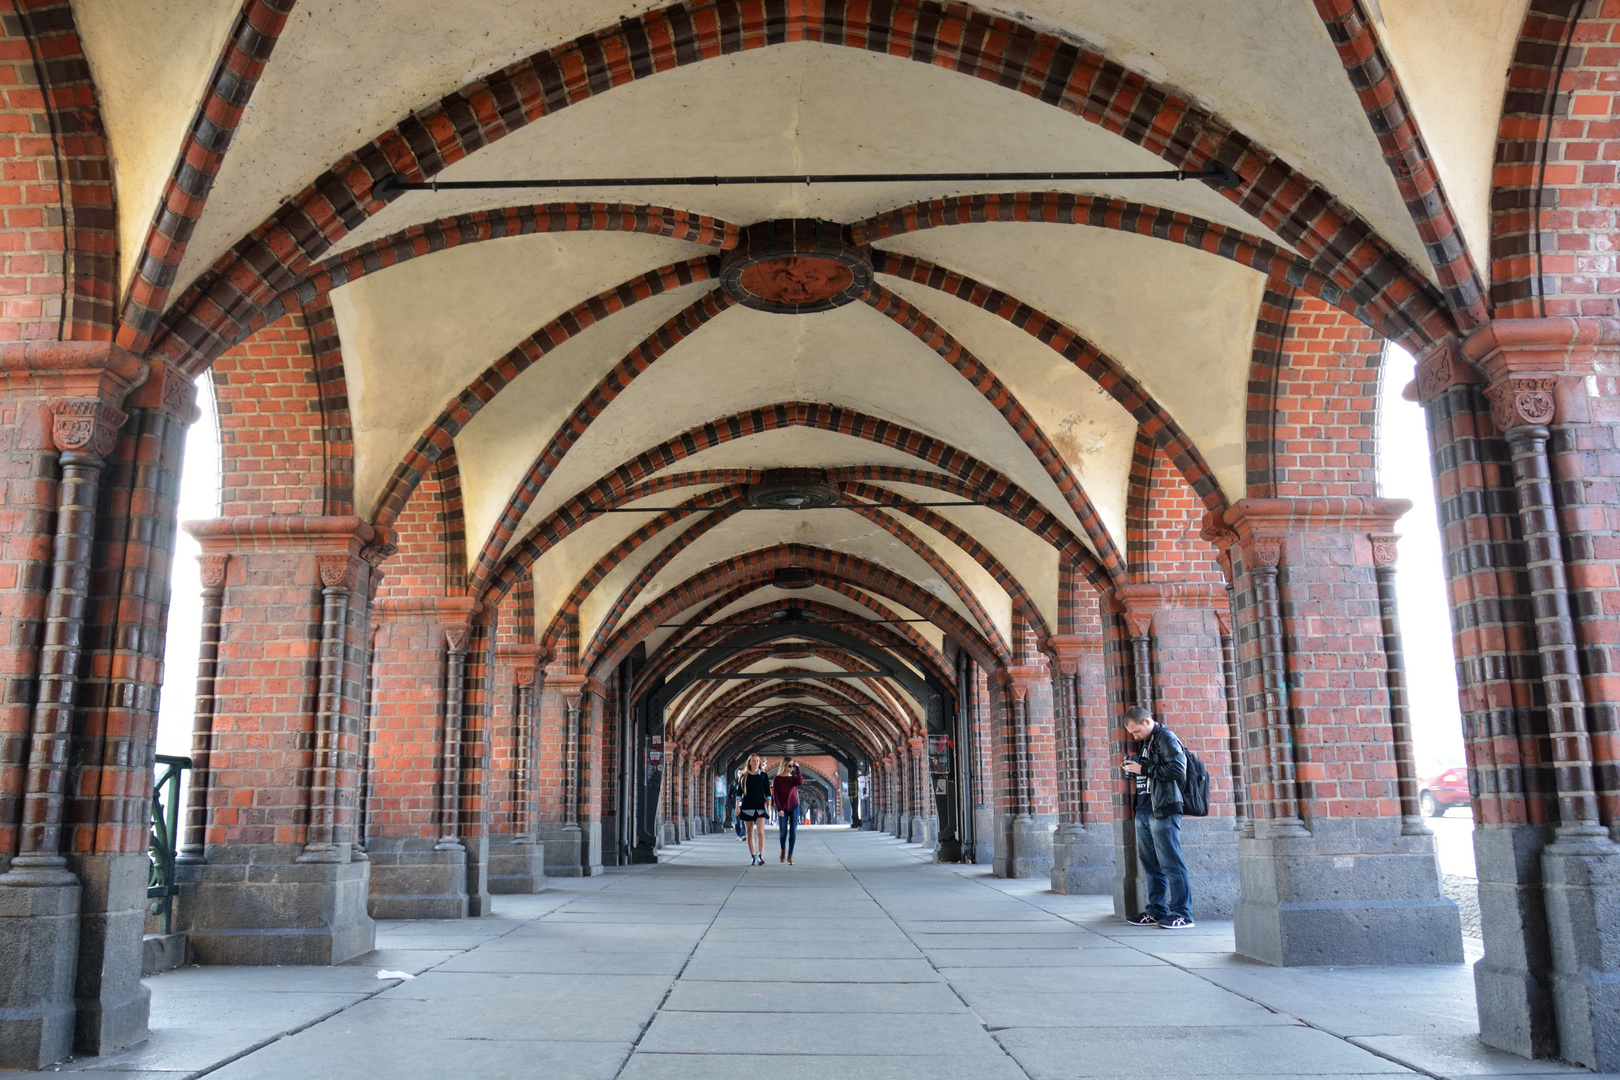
750 769
785 768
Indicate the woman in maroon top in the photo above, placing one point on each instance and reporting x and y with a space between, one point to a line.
785 796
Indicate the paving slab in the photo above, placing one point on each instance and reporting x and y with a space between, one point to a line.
1186 1052
877 998
990 1065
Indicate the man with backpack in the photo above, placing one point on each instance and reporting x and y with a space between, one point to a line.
1161 770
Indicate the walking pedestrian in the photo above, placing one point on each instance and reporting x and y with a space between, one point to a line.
736 804
1159 769
756 797
785 794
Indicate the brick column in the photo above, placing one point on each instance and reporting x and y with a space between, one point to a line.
1554 397
419 860
282 879
1177 657
924 827
63 887
1082 845
1330 875
572 837
1027 817
517 860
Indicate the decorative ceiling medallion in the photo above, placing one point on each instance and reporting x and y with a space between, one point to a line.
796 266
793 489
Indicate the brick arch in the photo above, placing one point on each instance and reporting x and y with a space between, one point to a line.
756 568
430 237
430 539
688 321
726 429
1418 320
1166 523
1102 369
719 499
1064 74
61 260
1137 506
1548 222
1266 361
779 717
884 729
441 433
863 733
891 636
878 697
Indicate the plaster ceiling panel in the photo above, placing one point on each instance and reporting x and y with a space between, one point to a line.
770 594
151 62
837 532
1093 432
1268 68
796 108
344 71
1188 336
1452 58
416 334
560 569
745 359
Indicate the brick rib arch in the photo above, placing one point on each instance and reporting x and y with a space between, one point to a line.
431 237
869 695
1417 321
680 326
755 568
856 723
893 636
1081 81
781 717
522 554
61 162
1102 369
439 435
721 499
879 727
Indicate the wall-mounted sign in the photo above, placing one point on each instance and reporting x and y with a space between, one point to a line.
939 754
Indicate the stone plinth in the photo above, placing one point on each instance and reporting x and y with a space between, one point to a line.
1083 860
1024 845
39 949
516 865
413 879
257 904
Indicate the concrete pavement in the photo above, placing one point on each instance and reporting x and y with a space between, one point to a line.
864 960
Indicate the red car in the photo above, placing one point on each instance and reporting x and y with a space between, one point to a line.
1441 792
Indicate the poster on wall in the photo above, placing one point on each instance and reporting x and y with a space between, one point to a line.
939 754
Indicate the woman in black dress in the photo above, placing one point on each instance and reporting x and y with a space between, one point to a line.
756 797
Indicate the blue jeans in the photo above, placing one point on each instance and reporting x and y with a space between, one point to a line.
1158 845
788 822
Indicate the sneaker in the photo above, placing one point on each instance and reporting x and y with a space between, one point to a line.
1143 919
1177 923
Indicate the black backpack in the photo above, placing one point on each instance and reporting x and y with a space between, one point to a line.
1194 786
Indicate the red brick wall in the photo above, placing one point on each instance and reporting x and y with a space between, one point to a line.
1553 223
1189 688
271 434
407 721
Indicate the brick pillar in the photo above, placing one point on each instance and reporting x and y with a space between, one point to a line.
67 888
517 860
418 857
1176 641
1330 875
571 834
282 878
924 827
1082 845
1554 394
1029 815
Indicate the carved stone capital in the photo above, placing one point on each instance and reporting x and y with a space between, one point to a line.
1523 401
85 425
1021 677
1223 619
1262 551
1443 367
1067 649
378 553
456 636
1140 623
525 660
1384 550
1216 531
212 565
336 571
572 687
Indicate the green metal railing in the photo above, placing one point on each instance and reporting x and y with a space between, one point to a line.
166 810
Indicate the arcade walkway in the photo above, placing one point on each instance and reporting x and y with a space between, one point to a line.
861 961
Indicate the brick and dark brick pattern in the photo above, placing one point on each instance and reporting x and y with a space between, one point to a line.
1553 204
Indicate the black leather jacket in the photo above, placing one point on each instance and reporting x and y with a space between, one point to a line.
1164 763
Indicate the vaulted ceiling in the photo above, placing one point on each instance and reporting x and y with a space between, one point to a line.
927 363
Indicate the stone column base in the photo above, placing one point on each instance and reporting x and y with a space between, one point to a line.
517 865
1024 845
924 830
576 851
1353 892
1130 884
256 904
1583 901
1511 987
1209 846
411 879
1083 860
39 949
112 1003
